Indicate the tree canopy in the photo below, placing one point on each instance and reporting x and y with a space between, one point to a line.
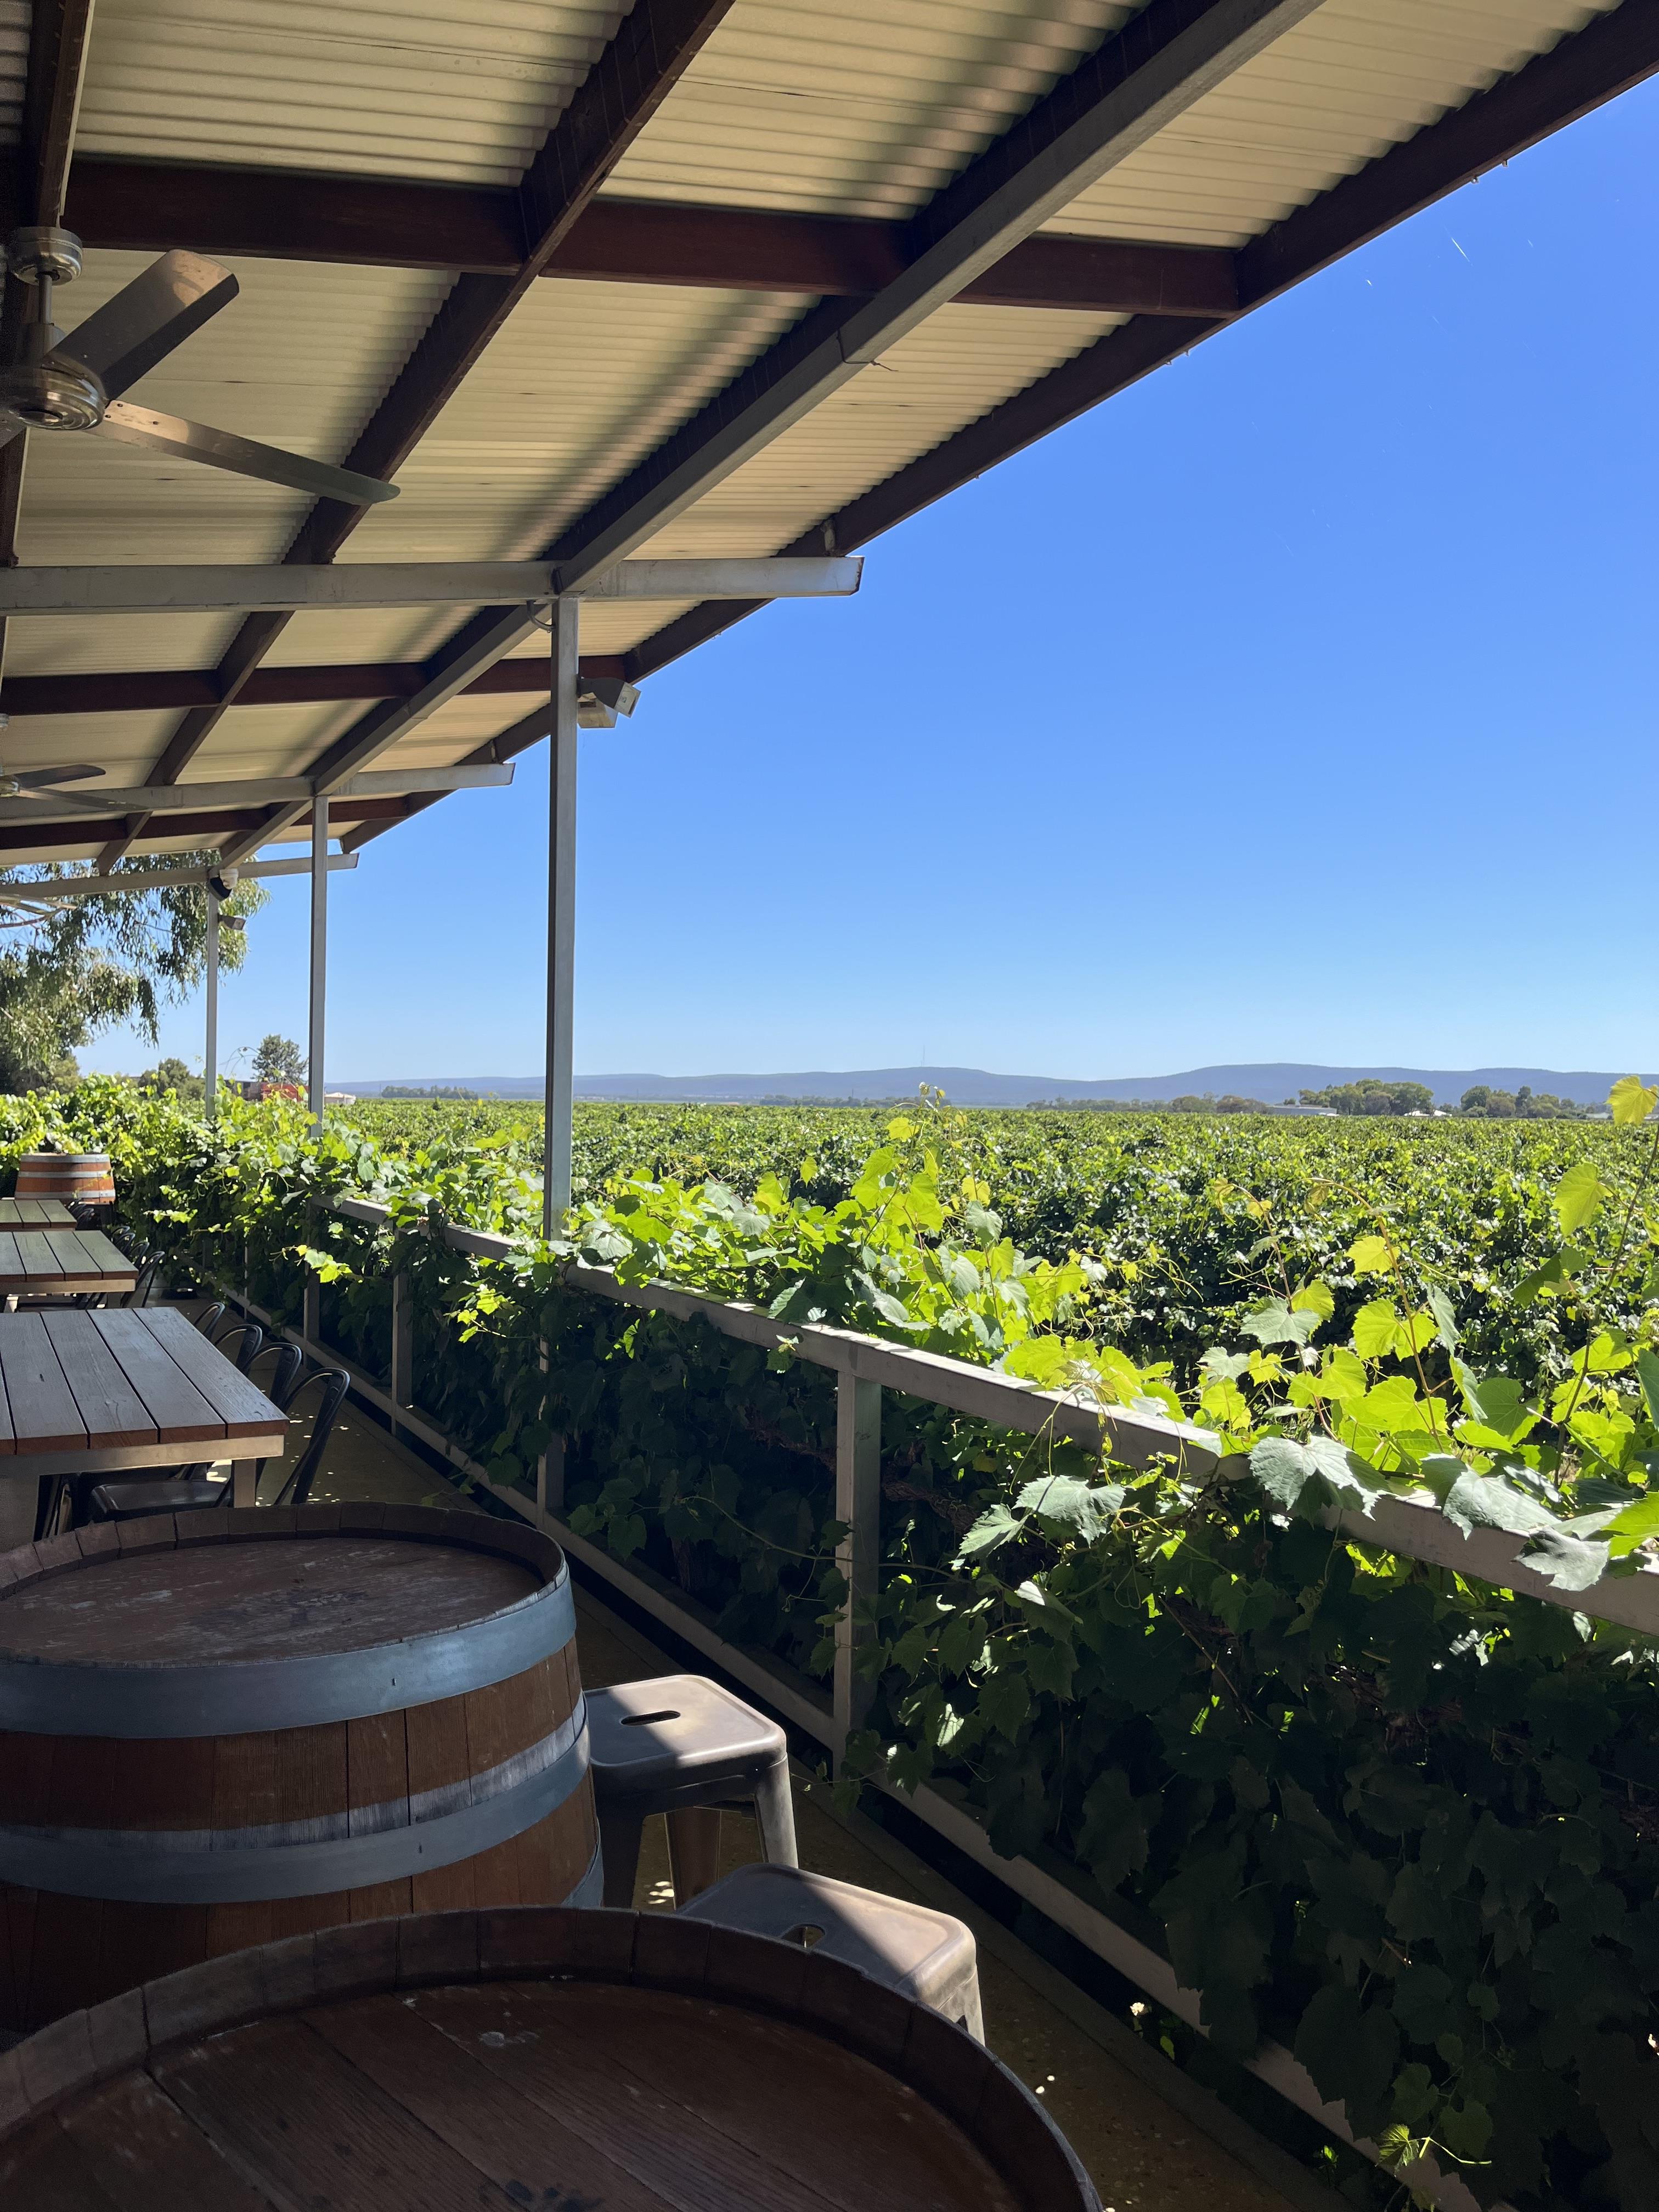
87 965
1372 1094
279 1060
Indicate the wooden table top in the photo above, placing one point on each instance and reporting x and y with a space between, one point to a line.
36 1213
122 1388
44 1261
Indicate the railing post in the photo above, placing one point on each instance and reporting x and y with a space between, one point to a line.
403 1344
311 1297
858 1506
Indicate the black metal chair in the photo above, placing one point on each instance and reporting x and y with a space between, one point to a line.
144 1495
209 1318
252 1336
333 1384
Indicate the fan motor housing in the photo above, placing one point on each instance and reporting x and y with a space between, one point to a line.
52 393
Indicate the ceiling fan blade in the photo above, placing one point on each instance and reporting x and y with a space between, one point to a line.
222 449
125 338
64 772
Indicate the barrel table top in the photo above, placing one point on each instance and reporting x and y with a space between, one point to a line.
92 1393
61 1262
575 2061
36 1213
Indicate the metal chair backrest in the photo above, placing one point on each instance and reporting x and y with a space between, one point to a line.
139 1294
252 1336
286 1361
209 1318
333 1384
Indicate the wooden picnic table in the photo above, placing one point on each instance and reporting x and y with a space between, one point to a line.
636 2063
61 1262
36 1213
129 1388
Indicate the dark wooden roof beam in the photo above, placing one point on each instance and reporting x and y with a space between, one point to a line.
150 206
152 690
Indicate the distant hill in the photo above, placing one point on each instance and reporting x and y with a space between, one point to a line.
1272 1081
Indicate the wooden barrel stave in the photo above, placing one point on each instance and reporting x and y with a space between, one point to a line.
370 1782
78 1178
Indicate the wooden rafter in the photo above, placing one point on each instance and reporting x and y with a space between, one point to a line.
610 107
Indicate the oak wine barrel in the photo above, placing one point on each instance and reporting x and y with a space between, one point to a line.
78 1178
568 2060
222 1727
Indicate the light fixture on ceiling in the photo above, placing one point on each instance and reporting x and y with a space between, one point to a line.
600 699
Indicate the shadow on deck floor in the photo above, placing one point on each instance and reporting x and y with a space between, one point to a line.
1125 2109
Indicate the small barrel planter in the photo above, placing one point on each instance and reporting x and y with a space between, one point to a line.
78 1178
567 2060
223 1727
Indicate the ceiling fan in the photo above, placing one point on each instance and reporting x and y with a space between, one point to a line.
50 382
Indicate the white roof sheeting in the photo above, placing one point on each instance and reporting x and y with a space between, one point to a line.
864 108
1346 83
854 108
462 93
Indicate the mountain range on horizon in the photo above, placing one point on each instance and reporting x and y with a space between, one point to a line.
1273 1082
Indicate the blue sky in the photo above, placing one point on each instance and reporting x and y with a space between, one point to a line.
1296 704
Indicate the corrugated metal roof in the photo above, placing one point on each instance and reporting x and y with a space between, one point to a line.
861 109
1350 81
462 93
583 382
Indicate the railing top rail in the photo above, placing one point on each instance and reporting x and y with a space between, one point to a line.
1416 1530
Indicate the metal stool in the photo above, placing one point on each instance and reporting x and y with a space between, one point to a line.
922 1954
680 1745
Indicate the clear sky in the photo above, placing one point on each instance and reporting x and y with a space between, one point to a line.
1299 703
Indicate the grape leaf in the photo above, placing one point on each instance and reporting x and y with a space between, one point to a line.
1578 1197
1631 1100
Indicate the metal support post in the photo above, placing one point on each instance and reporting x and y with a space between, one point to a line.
210 1062
858 1507
561 913
318 953
403 1344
